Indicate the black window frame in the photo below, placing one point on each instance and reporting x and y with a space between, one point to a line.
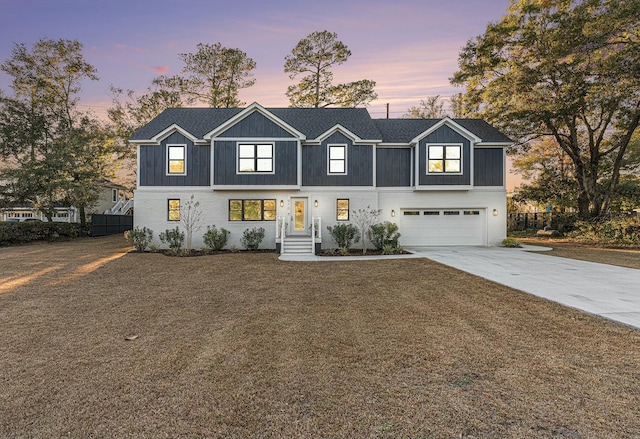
169 209
183 159
243 211
444 159
332 160
342 209
255 157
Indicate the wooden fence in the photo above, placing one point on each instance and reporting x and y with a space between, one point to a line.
102 225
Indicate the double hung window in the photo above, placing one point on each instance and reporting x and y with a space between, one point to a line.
176 159
337 159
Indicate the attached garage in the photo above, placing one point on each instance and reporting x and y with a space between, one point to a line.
424 227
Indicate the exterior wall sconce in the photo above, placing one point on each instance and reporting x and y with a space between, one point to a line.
281 203
315 203
393 213
495 212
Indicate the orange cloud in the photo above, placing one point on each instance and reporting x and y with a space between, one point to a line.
160 70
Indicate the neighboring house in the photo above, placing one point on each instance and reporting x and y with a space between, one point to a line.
112 201
296 170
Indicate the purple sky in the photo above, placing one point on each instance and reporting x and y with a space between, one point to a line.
409 47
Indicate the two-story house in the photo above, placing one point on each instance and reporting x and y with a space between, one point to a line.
296 170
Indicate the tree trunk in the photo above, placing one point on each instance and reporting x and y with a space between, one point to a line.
83 218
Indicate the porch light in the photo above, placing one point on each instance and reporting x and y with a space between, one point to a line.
315 203
495 212
281 203
393 212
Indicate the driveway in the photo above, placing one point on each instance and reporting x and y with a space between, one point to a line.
604 290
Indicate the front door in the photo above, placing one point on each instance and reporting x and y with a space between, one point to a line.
299 220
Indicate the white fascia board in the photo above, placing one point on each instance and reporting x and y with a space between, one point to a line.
166 133
451 124
394 145
231 187
248 111
345 132
493 144
444 187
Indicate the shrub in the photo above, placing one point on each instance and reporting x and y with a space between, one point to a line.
344 235
384 234
251 238
174 238
216 239
511 242
620 230
19 233
140 238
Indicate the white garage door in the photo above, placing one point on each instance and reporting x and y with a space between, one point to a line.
442 227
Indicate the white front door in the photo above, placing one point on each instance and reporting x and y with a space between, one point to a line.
299 216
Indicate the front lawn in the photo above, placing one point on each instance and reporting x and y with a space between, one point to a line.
244 345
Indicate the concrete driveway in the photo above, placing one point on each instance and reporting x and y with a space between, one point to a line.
604 290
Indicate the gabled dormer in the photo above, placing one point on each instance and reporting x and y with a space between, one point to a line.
255 149
338 157
173 157
444 157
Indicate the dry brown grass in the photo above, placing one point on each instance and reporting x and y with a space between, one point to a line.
244 345
623 257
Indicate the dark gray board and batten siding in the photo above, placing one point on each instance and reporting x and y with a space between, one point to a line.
285 165
153 164
444 135
393 167
488 167
359 164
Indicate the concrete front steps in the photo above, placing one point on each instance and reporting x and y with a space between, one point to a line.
297 245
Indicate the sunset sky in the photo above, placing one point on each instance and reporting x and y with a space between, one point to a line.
409 47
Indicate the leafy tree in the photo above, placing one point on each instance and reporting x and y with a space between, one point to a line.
215 74
53 153
212 76
313 57
430 108
565 70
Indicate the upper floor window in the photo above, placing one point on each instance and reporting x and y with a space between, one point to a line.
255 157
446 159
337 159
176 159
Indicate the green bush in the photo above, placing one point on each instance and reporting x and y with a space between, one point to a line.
174 238
140 238
251 238
20 233
344 235
384 235
619 230
511 242
216 239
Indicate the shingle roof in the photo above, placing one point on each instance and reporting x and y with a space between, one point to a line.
313 122
405 130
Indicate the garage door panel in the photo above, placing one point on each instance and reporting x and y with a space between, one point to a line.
441 227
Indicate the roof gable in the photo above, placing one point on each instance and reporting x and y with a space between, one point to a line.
251 109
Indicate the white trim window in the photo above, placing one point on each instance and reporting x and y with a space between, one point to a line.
444 159
255 158
337 159
176 159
